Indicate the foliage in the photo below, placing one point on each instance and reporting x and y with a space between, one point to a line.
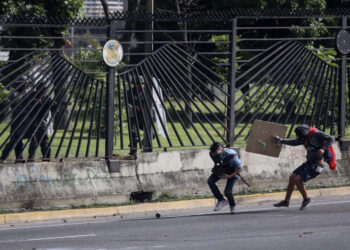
37 8
40 8
3 92
93 51
327 55
223 47
3 100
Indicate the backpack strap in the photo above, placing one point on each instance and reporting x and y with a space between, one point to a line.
311 132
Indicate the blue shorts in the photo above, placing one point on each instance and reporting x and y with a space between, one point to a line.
308 170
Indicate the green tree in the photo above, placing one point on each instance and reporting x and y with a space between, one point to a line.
27 9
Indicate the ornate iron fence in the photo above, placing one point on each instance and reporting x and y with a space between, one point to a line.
185 81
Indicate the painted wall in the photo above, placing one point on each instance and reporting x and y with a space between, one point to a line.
66 184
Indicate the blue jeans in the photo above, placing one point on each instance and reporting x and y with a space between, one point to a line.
228 188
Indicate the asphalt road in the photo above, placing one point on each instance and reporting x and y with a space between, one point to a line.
324 225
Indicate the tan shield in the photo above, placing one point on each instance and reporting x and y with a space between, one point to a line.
261 138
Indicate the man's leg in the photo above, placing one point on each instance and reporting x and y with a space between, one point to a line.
301 187
228 191
290 187
6 151
310 171
18 151
300 175
134 137
31 151
214 188
44 146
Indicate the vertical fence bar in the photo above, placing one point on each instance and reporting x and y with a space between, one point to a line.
120 115
232 86
342 90
99 122
110 101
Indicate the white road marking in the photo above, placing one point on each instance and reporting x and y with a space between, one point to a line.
276 208
50 238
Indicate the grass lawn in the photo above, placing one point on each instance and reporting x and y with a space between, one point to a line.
202 135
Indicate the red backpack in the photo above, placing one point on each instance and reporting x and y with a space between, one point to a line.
330 157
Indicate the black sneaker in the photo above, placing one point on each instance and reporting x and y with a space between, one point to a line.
282 204
305 204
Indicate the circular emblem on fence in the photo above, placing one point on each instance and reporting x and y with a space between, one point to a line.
112 53
343 42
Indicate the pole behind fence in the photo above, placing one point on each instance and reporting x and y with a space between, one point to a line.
232 86
110 100
342 90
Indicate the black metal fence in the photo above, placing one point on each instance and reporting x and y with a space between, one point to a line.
185 81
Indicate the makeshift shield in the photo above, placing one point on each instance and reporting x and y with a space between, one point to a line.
261 138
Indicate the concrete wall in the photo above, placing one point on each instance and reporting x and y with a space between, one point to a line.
65 184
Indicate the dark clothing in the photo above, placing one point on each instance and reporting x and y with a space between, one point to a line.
228 188
228 157
41 122
135 99
23 105
17 127
308 170
302 131
319 140
44 144
18 149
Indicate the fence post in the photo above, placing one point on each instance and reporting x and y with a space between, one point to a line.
342 90
110 78
232 86
147 145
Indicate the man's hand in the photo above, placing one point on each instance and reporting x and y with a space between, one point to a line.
319 155
229 176
278 139
226 176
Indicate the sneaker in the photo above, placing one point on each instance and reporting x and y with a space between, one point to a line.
220 205
232 209
305 204
282 204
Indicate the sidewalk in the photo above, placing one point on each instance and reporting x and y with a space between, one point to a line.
25 217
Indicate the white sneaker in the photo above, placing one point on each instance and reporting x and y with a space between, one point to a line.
220 205
232 209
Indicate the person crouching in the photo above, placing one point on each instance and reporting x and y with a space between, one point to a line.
227 166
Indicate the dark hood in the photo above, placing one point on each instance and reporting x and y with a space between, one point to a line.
302 131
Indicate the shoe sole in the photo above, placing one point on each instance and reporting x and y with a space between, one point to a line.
303 208
221 207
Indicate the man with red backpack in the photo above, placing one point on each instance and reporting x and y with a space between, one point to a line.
319 149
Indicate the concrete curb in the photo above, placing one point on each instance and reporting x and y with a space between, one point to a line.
25 217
